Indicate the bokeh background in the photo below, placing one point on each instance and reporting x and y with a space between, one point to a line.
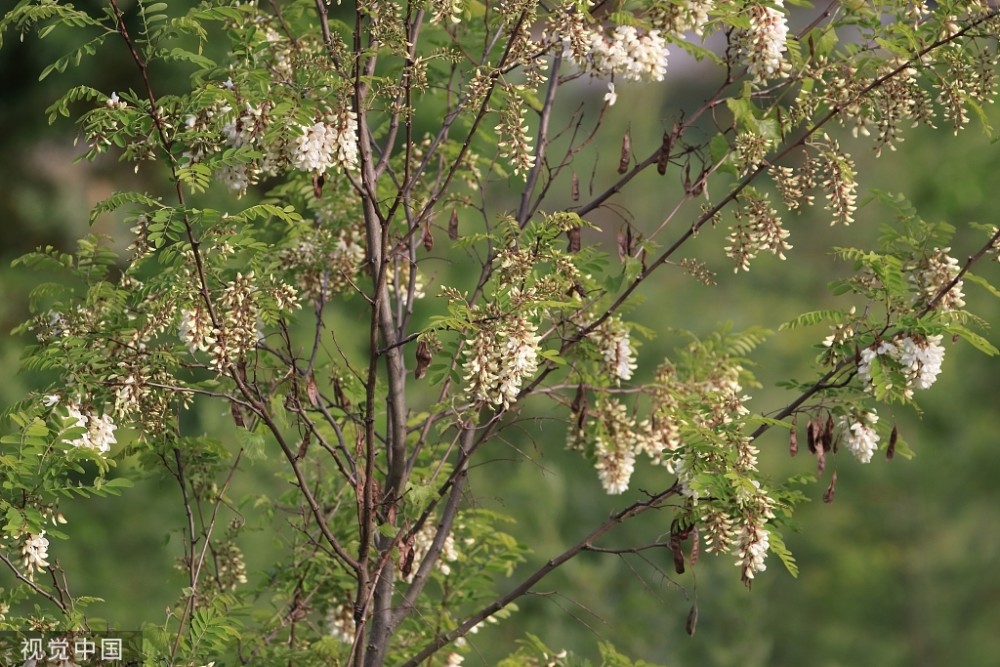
900 570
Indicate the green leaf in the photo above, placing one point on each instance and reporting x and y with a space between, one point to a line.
974 339
813 318
982 282
781 551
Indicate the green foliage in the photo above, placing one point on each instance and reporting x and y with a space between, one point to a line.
406 294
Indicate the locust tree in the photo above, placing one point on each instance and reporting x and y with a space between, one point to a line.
372 239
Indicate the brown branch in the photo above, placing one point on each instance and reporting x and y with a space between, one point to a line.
524 587
31 584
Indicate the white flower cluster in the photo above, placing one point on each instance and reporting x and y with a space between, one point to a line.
450 8
421 545
239 333
323 145
763 232
340 622
627 53
35 554
615 465
498 360
616 347
114 102
862 440
515 138
615 449
918 358
934 275
100 429
195 329
752 551
679 16
764 42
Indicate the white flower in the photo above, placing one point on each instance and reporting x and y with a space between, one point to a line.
340 621
314 148
35 553
616 347
752 551
100 429
626 53
868 355
498 361
520 359
114 102
615 464
764 43
323 145
611 96
453 660
936 273
50 400
862 440
450 8
195 329
921 360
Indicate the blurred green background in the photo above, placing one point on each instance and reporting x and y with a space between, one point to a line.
900 570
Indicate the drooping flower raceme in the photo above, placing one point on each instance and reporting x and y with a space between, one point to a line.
195 329
935 274
626 53
323 145
764 42
616 347
919 359
499 359
679 17
35 553
100 429
752 551
862 440
340 623
614 447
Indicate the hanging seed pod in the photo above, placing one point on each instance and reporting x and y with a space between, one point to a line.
678 552
832 489
424 357
793 439
303 446
453 225
820 461
811 436
573 234
574 191
312 391
406 554
318 182
338 392
237 415
893 437
626 242
626 154
828 434
427 236
692 620
664 155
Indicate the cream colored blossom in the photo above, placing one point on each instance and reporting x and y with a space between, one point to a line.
35 554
